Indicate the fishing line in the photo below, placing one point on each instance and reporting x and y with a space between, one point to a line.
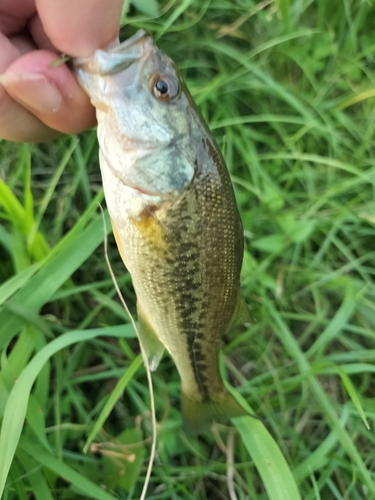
145 360
230 465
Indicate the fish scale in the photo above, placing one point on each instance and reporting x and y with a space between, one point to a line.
192 310
174 217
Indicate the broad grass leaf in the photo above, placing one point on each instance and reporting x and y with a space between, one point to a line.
12 365
22 219
353 395
338 322
113 398
20 257
15 362
16 407
122 459
50 277
342 372
297 230
147 7
19 488
32 234
40 487
30 317
13 284
328 410
5 239
321 456
11 205
263 449
82 484
268 458
271 197
272 243
36 421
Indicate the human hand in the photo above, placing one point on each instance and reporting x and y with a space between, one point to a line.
37 100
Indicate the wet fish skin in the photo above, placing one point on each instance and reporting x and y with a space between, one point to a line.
174 217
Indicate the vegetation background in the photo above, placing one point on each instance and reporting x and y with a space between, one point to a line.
288 89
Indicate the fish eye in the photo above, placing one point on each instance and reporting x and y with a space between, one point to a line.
165 87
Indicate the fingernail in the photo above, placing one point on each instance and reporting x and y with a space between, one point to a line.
33 90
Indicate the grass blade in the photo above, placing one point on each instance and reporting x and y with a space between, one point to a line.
270 462
86 487
16 407
329 412
113 398
49 278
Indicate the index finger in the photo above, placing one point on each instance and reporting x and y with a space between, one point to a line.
79 27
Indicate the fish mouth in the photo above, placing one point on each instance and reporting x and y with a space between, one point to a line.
120 65
95 73
117 57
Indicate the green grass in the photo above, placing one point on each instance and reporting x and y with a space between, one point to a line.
288 90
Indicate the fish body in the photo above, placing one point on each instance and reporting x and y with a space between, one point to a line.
173 214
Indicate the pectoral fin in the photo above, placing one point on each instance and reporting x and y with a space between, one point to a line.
241 313
150 342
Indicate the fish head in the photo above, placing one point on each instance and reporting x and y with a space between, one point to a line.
147 127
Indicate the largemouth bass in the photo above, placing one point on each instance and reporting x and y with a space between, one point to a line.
173 214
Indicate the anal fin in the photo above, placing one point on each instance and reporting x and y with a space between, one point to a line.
150 342
241 314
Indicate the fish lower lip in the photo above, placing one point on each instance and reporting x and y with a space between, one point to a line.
113 59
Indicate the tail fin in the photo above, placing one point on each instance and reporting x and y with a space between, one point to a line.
197 416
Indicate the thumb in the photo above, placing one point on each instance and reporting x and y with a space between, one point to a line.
50 93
